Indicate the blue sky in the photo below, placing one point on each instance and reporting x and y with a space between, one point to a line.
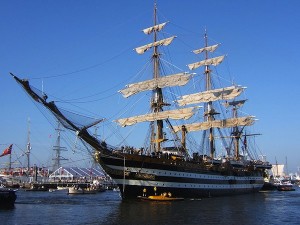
84 48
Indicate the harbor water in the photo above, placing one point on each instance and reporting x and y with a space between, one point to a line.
58 207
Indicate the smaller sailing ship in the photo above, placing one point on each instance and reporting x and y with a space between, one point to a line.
171 160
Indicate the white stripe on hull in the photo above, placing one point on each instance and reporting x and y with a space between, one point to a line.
170 173
186 185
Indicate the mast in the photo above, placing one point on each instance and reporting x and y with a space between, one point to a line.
183 135
236 134
156 85
208 97
286 166
209 110
157 98
9 163
57 148
276 168
28 147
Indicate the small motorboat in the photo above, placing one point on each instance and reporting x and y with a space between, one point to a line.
159 198
285 186
75 190
61 188
90 190
163 197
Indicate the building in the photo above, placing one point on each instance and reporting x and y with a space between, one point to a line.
71 174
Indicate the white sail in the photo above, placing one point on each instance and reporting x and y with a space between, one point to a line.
208 48
226 123
143 49
278 170
211 95
161 82
213 61
175 114
158 27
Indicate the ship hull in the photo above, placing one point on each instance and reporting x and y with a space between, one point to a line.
7 198
133 191
143 175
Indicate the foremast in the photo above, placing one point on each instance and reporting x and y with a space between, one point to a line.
157 101
209 111
158 114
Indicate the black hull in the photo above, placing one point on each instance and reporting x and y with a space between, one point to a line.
133 191
269 187
7 198
141 175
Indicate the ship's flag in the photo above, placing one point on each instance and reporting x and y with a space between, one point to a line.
7 151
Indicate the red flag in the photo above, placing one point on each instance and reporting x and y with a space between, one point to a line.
7 151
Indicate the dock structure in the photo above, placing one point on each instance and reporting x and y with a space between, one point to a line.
40 180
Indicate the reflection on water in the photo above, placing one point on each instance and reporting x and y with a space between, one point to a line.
107 208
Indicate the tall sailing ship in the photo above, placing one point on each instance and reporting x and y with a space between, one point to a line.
168 164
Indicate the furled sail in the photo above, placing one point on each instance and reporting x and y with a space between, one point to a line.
158 27
175 114
238 103
226 123
211 95
213 61
143 49
161 82
211 48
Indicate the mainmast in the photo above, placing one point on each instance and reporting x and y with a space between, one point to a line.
211 95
